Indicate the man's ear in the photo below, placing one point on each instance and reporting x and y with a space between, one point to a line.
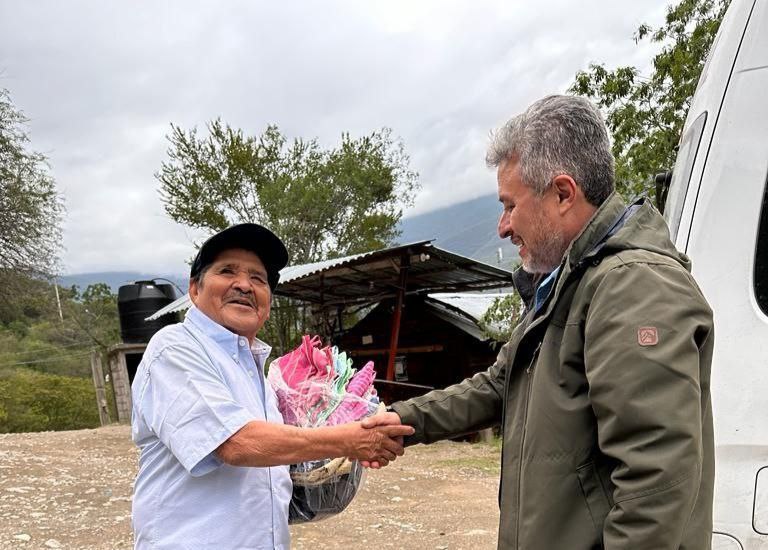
567 191
194 290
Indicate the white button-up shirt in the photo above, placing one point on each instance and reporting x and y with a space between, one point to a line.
198 384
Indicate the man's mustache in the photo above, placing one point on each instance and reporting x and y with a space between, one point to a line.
240 296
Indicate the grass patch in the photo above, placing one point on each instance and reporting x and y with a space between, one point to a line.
495 443
485 464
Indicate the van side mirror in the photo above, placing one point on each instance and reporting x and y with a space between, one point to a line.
663 180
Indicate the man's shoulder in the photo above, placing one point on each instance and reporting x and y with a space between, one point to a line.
168 333
636 257
639 270
175 335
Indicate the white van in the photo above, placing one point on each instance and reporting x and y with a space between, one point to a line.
717 211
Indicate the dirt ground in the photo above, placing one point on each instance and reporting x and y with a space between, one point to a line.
73 490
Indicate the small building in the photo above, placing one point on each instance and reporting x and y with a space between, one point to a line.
440 342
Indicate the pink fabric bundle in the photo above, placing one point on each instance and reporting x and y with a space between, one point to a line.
355 406
306 362
309 382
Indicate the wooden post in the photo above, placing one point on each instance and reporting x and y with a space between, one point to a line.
394 334
486 435
121 385
98 384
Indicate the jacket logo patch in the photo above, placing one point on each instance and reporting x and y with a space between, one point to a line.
647 336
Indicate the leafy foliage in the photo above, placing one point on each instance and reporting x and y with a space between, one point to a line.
45 373
323 203
25 299
92 316
501 318
32 401
646 115
30 207
32 335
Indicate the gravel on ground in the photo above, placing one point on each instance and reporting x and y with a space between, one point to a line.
73 489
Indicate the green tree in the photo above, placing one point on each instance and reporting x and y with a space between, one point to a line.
30 206
25 299
323 202
91 316
645 114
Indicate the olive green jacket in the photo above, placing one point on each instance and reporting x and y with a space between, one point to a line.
603 398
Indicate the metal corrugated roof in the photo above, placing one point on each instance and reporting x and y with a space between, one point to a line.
374 276
291 273
181 304
474 305
287 274
464 311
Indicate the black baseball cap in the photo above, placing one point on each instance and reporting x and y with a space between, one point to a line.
248 236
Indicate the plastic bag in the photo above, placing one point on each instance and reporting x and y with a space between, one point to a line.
322 489
318 386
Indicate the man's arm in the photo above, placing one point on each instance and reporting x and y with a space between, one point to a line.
646 393
469 406
261 443
187 405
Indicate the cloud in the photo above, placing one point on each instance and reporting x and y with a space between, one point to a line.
101 82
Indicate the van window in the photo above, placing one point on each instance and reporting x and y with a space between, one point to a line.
761 257
681 174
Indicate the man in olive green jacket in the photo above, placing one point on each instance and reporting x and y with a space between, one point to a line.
602 391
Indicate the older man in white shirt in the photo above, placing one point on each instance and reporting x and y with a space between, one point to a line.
214 450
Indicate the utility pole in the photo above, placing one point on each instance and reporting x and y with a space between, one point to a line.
58 300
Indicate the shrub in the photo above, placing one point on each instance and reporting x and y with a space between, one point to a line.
32 401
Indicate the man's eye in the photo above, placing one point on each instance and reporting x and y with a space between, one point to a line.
258 278
227 270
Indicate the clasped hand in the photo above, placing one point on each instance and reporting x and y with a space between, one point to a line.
379 439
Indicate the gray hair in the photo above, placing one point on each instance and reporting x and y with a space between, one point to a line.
556 135
198 279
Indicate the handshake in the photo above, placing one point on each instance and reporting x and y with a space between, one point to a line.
377 440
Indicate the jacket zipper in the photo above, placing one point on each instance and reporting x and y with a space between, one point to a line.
529 381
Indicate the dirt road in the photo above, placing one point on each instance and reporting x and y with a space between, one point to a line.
73 490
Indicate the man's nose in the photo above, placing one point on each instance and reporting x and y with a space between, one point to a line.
504 228
243 281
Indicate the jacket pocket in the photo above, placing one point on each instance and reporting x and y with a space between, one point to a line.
595 498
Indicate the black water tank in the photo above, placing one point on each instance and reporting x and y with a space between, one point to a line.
136 302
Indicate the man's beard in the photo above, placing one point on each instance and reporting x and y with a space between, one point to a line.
545 251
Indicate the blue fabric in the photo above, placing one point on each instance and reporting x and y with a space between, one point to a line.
544 288
198 384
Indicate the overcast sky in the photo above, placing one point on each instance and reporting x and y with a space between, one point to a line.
102 81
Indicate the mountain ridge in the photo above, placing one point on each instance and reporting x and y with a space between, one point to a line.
467 228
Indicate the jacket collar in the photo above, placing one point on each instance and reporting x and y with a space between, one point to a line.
595 231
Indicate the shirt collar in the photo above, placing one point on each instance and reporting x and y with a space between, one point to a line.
544 288
224 337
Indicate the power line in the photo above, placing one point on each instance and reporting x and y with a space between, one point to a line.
49 360
47 349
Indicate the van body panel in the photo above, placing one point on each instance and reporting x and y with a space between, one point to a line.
715 221
707 100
